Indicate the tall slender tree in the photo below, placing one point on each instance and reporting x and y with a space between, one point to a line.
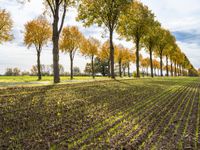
37 33
104 54
156 66
70 42
145 63
168 51
163 41
5 26
127 60
104 13
90 48
150 40
134 24
119 55
57 9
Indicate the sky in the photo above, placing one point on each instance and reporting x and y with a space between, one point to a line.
181 17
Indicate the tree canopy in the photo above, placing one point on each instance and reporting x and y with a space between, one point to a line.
134 24
37 33
6 25
70 42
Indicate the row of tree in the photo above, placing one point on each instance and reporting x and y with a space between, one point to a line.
130 19
46 70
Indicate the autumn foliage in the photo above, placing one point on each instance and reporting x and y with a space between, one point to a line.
5 26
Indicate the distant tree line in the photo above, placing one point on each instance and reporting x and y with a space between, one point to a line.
46 70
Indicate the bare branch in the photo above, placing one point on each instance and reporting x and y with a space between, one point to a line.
2 26
61 2
51 7
63 17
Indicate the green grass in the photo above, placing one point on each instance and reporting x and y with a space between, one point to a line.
10 81
13 81
103 114
44 78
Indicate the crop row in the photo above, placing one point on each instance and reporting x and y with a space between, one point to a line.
101 115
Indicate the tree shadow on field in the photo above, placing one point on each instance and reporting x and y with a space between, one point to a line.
35 116
122 82
18 115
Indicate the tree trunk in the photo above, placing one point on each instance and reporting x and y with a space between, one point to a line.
178 70
129 70
71 66
181 71
137 58
175 69
124 70
39 65
151 61
167 69
112 63
108 68
92 62
161 69
171 69
103 69
55 40
120 69
147 71
143 72
155 71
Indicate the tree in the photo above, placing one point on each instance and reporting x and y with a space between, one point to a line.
150 40
70 42
5 26
155 66
174 58
8 72
101 66
76 70
12 72
104 54
37 33
134 24
25 73
168 50
164 39
180 61
89 48
45 70
186 65
16 71
61 69
34 70
119 55
145 64
104 13
57 9
88 69
127 60
171 57
167 55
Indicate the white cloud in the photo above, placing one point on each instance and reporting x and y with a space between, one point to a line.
182 16
192 52
176 14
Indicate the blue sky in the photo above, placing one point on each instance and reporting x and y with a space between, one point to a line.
181 17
